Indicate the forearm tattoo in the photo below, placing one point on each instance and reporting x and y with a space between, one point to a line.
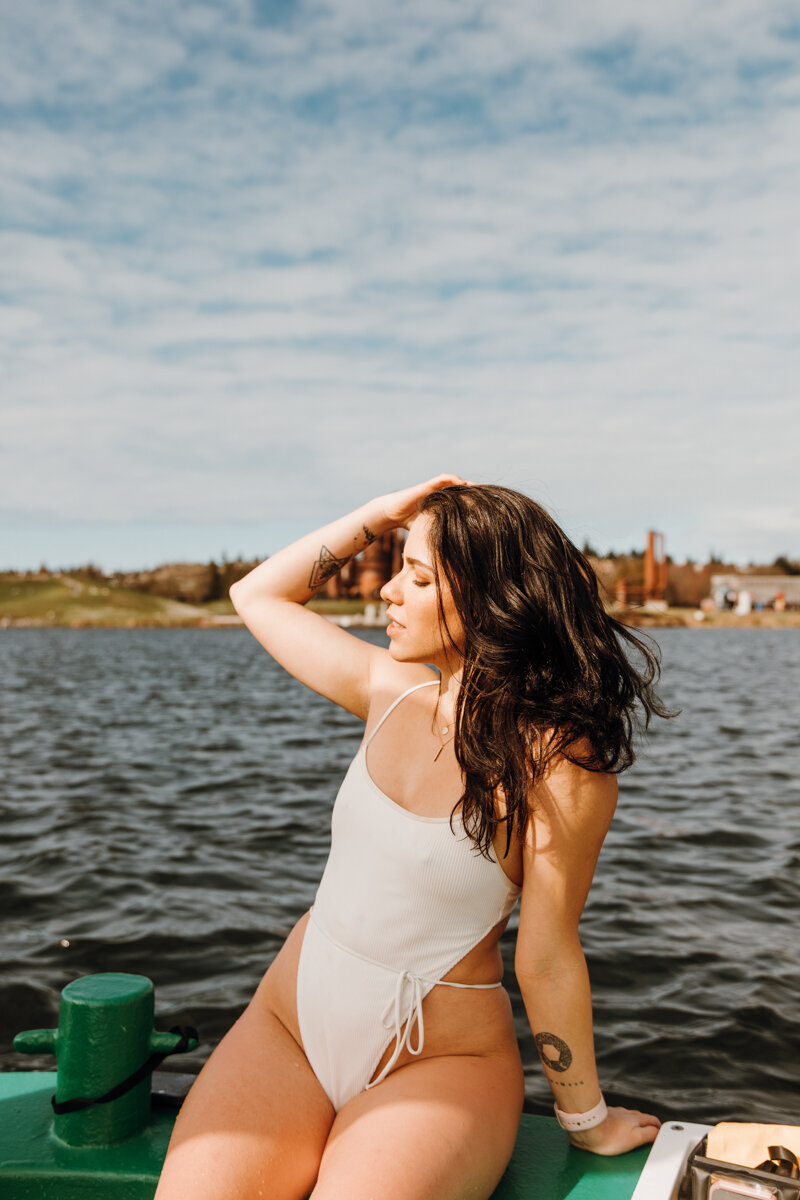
369 535
326 566
564 1060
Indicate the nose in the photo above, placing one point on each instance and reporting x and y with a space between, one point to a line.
390 592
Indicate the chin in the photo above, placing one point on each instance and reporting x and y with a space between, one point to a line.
401 654
425 658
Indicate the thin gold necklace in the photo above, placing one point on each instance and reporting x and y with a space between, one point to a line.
441 748
444 730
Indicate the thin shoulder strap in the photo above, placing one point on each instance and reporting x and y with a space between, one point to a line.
394 705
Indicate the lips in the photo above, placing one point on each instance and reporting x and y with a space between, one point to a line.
394 626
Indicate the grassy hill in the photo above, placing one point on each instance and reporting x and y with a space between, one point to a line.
78 601
75 601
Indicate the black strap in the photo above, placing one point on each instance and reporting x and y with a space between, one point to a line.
781 1162
70 1106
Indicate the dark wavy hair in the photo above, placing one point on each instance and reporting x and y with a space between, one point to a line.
545 668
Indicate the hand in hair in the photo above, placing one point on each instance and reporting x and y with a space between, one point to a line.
401 507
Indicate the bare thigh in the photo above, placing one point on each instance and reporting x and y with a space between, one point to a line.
255 1123
439 1129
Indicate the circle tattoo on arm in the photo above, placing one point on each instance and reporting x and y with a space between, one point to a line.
564 1060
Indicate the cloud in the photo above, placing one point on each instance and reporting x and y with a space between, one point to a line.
274 257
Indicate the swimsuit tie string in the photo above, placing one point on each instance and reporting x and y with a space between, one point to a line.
401 1017
401 1014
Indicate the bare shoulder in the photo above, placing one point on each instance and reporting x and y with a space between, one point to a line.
389 679
571 809
570 792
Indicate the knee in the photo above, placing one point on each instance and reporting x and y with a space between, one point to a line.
235 1168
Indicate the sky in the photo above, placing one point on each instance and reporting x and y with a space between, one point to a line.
263 260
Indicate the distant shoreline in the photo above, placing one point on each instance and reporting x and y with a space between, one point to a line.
81 601
674 618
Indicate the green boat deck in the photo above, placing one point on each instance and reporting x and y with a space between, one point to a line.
35 1165
545 1167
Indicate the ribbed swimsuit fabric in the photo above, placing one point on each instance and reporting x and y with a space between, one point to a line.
403 898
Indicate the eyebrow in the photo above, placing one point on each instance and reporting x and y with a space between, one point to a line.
417 562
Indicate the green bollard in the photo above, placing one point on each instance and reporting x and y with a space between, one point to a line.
105 1033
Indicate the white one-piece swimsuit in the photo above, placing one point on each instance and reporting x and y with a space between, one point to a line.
403 898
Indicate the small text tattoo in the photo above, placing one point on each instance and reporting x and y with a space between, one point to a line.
369 535
326 566
564 1060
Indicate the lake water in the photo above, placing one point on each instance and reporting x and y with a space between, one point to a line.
166 800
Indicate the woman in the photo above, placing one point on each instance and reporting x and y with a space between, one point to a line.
378 1056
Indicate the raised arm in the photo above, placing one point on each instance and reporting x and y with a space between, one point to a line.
573 808
271 599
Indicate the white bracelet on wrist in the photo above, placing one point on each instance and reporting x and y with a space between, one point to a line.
585 1120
